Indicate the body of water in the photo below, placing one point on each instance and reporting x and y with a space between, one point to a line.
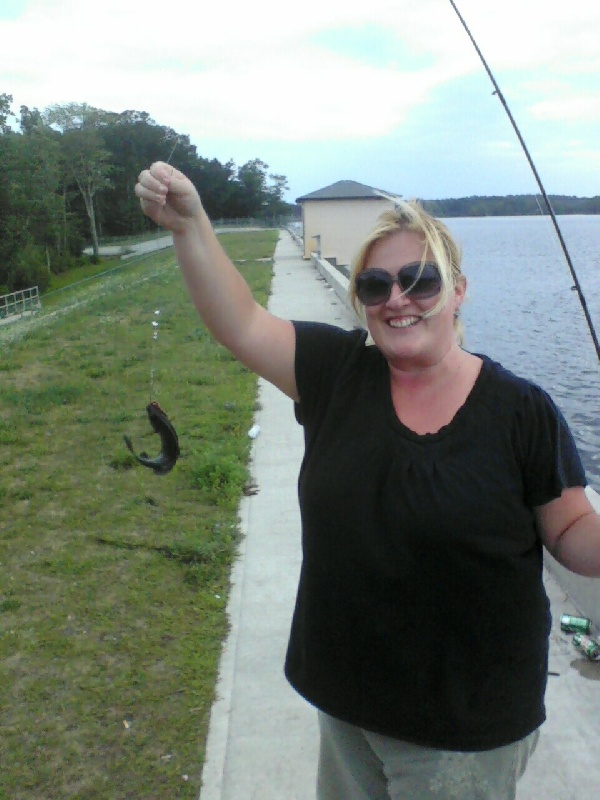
522 311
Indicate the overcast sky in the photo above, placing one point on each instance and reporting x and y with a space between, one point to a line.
390 93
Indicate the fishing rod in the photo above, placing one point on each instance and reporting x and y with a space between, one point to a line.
500 96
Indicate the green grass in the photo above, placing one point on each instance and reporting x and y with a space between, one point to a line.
113 581
66 279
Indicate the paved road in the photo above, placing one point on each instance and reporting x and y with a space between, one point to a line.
126 251
162 242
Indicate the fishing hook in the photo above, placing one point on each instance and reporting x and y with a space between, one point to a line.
500 96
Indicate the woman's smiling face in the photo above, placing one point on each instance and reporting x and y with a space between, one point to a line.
407 338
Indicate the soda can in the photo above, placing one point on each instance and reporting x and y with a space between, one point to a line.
588 646
571 624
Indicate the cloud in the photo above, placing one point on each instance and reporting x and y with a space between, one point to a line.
224 68
584 108
361 77
255 73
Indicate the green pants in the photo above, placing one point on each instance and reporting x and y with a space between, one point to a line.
355 764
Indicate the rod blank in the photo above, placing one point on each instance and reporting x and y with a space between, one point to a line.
563 245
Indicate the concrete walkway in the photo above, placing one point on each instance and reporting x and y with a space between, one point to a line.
262 742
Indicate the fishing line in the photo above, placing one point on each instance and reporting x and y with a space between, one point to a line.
173 150
155 321
155 327
563 245
160 422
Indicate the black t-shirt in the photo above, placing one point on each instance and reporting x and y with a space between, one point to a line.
421 612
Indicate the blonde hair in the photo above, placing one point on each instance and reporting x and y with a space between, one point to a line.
409 215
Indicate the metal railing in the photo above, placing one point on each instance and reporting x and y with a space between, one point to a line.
20 303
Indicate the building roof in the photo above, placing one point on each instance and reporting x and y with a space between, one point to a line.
343 190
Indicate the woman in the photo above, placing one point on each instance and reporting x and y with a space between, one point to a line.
431 479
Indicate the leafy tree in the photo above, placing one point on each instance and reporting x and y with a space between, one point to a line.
74 166
275 205
85 159
133 140
5 113
31 121
30 268
51 188
217 186
250 197
30 202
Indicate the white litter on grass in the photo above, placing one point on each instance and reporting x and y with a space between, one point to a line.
254 431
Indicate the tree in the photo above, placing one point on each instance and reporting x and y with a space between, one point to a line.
30 268
85 159
134 141
5 112
250 197
65 235
276 206
217 186
253 196
75 165
31 121
30 203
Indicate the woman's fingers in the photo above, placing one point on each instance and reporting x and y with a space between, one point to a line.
166 195
150 187
176 182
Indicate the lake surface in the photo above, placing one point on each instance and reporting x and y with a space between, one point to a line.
522 312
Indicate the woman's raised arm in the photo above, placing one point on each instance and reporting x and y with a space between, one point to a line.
263 342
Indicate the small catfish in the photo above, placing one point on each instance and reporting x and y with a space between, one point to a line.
169 452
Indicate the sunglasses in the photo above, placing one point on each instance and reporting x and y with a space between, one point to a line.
374 286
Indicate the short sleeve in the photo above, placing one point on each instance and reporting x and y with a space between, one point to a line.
551 460
322 350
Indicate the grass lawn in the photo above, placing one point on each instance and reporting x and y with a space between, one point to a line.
113 581
66 279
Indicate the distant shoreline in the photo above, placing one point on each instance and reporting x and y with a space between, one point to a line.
523 205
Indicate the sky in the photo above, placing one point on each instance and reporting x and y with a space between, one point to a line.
390 93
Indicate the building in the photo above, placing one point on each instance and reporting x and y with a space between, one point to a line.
337 219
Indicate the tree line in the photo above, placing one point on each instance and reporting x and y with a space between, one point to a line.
511 206
68 176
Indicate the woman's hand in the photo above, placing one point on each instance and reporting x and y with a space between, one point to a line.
168 197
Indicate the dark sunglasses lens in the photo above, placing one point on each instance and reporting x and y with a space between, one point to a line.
373 286
422 286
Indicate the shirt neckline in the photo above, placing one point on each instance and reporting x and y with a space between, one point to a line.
454 424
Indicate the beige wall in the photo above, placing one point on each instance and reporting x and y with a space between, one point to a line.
342 225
